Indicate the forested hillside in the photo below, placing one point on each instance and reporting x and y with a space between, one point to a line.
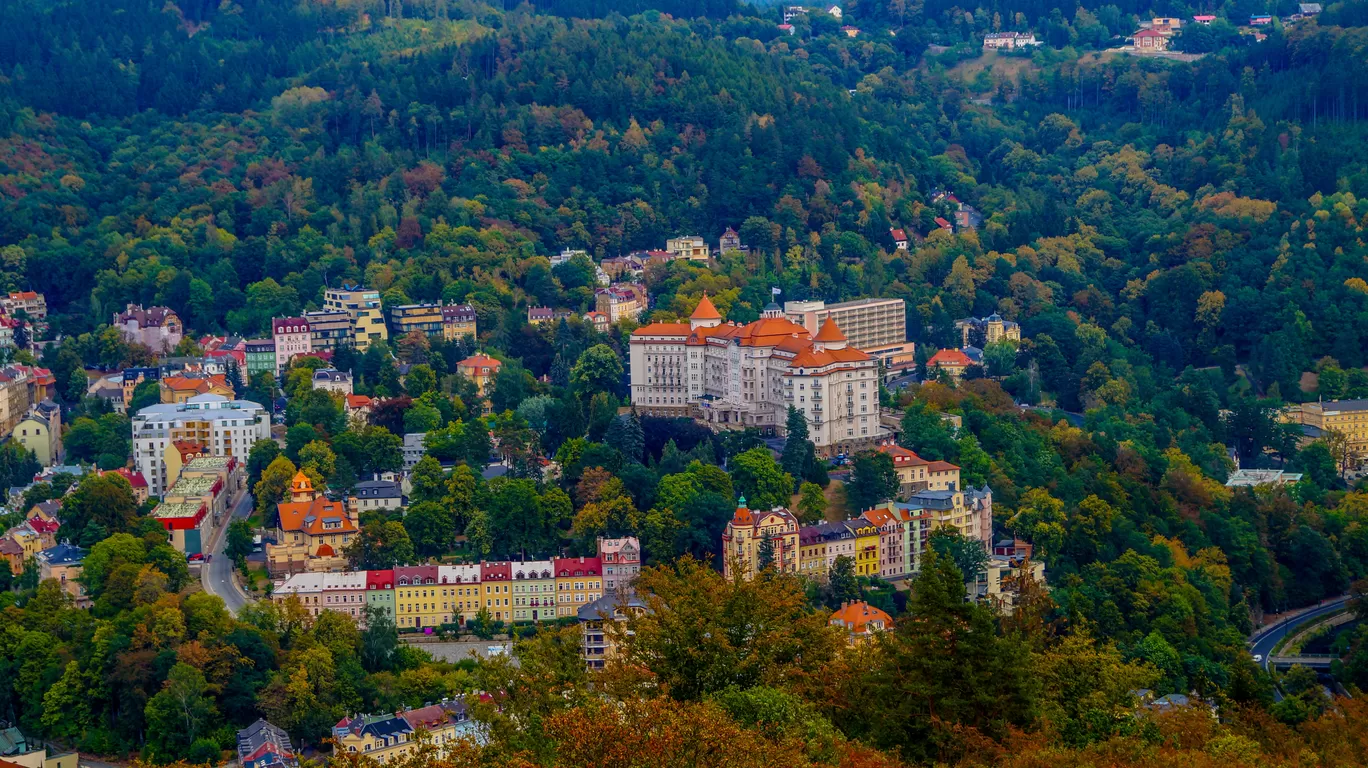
1181 241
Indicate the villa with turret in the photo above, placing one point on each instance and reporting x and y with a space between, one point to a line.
732 376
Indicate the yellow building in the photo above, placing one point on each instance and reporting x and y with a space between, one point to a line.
393 737
41 432
812 552
363 305
746 532
918 474
458 322
179 389
866 546
1347 417
419 601
579 581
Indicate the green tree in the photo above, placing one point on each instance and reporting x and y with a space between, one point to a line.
431 527
420 380
759 478
144 394
598 369
379 545
179 712
872 480
968 555
812 503
239 544
274 484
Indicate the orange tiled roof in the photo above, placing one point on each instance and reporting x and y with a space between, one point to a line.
663 329
480 361
199 385
829 332
857 616
308 516
951 357
705 310
358 401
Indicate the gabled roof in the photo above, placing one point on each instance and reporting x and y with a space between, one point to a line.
950 357
898 234
480 361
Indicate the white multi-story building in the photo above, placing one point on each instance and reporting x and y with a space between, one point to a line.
733 376
223 427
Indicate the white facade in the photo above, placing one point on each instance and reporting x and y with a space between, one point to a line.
736 376
224 427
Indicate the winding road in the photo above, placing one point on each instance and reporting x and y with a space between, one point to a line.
217 574
1262 643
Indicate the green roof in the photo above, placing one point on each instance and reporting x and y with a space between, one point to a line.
208 462
167 510
193 487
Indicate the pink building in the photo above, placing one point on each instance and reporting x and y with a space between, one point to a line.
292 338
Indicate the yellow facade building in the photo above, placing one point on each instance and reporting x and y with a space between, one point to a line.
749 529
866 546
579 581
363 305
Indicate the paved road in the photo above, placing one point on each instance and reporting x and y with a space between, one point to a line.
1262 644
217 574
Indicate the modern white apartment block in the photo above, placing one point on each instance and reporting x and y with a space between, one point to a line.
221 426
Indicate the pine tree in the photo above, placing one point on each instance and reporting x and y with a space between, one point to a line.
765 553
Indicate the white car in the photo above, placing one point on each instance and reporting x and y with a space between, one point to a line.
1258 658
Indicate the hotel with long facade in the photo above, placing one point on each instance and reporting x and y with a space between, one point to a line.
731 376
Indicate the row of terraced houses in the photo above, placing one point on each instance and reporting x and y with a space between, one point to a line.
443 595
885 542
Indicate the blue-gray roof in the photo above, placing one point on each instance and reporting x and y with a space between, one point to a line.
62 554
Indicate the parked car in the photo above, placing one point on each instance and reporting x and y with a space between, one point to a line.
195 558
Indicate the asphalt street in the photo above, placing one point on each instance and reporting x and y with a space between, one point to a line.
1262 645
217 574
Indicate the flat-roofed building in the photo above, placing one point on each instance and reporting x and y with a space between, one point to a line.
221 427
329 329
364 307
868 324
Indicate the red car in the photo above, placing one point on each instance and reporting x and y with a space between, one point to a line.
195 557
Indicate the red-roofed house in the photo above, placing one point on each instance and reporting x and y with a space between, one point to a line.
952 361
945 225
860 621
134 479
1150 40
899 239
918 474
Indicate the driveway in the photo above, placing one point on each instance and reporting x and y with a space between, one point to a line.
217 574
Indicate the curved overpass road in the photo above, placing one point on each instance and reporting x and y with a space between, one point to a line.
217 574
1262 644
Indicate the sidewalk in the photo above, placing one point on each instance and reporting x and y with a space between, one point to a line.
1272 620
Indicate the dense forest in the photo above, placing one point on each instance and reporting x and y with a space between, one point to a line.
1180 240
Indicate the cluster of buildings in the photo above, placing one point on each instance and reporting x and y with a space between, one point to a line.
158 328
731 376
1009 41
27 412
1320 419
25 310
201 489
384 738
34 541
422 596
217 426
963 217
886 542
